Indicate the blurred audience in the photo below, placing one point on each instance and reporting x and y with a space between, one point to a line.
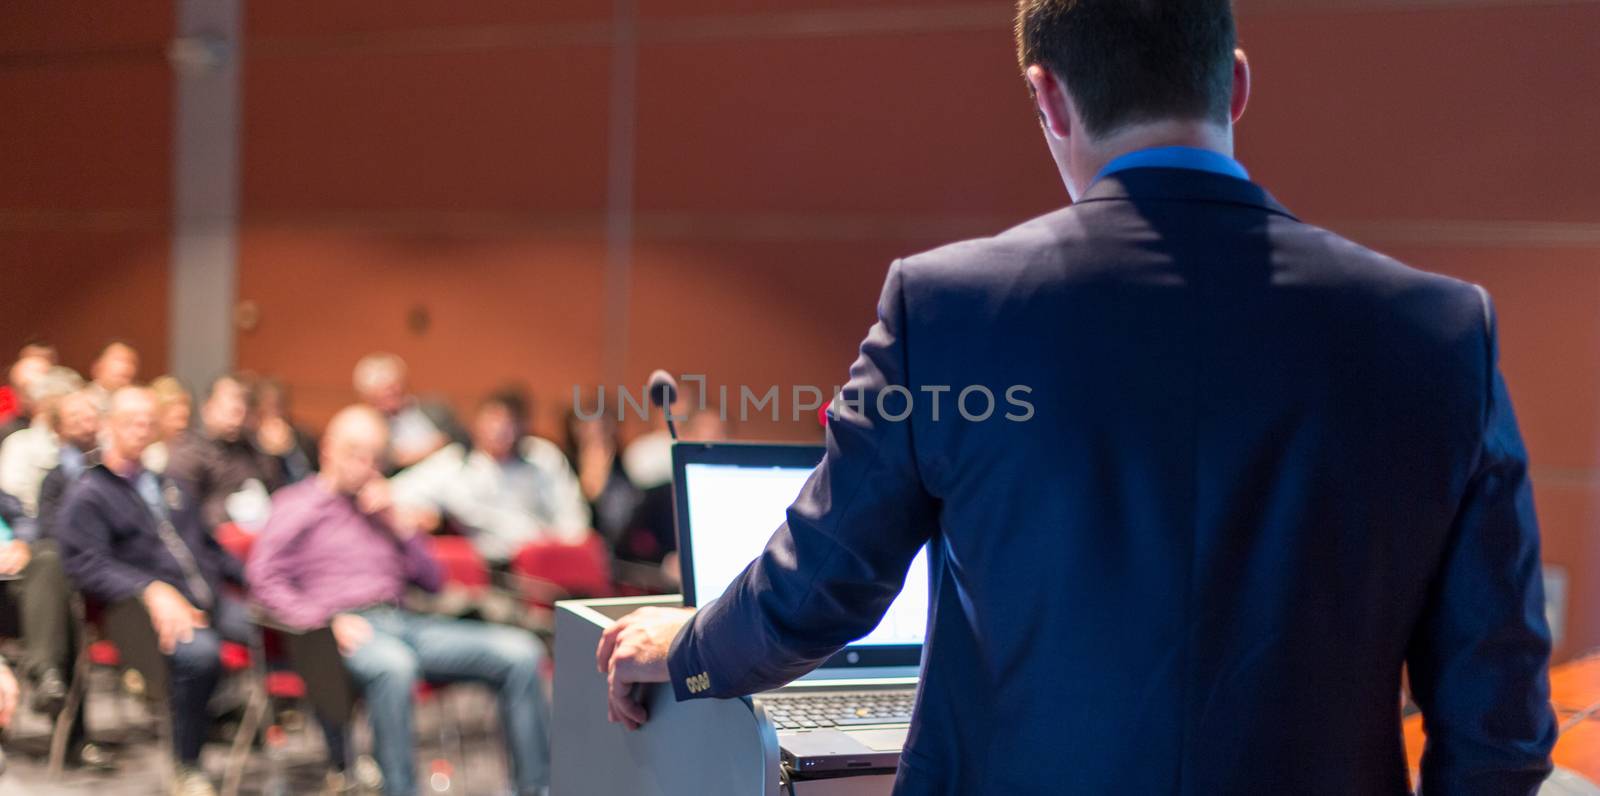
220 460
116 366
279 435
507 490
416 429
26 456
173 409
128 534
337 553
37 585
111 487
17 406
49 634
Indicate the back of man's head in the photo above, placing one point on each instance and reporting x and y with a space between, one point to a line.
1127 62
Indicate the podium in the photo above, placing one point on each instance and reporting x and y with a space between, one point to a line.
703 747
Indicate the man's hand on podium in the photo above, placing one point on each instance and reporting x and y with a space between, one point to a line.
633 650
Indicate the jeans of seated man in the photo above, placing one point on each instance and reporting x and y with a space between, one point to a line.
196 667
406 648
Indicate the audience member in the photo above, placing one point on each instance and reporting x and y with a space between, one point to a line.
26 456
38 585
77 423
648 463
125 534
416 430
221 458
508 490
335 552
279 435
27 370
705 425
173 408
115 367
594 452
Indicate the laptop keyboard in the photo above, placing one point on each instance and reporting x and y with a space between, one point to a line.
838 709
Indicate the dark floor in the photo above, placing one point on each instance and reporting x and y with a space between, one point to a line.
475 764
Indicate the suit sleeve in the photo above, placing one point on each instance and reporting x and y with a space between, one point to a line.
830 572
1479 658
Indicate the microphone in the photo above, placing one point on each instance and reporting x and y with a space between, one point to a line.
663 391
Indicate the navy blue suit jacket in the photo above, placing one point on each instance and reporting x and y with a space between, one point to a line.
1266 469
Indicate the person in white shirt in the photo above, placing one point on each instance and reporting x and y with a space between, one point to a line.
27 456
509 490
416 430
29 368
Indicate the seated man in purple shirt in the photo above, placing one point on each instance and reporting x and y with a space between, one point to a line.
335 553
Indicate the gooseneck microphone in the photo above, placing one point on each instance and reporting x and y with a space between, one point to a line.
663 391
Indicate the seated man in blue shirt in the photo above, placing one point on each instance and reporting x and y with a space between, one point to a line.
126 533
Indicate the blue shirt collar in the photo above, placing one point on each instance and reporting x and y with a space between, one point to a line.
73 461
1175 157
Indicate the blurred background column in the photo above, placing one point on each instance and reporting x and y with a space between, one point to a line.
205 173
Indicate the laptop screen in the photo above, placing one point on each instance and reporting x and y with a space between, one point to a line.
731 499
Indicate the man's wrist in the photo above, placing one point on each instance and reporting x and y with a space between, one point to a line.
152 587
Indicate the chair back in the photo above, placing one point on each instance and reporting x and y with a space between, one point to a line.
579 570
462 564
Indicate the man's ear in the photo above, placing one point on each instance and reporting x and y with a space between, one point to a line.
1051 97
1241 86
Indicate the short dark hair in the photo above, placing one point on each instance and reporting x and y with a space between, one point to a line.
245 381
515 400
1130 61
115 342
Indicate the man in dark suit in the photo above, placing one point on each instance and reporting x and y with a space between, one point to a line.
127 534
1267 469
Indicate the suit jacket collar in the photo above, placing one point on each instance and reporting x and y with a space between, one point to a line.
1182 185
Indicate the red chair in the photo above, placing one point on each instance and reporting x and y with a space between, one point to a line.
551 571
235 540
463 566
120 637
465 570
